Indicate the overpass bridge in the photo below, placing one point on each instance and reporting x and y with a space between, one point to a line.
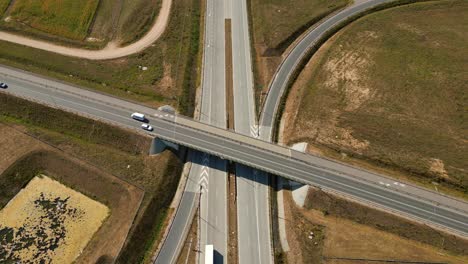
308 169
411 201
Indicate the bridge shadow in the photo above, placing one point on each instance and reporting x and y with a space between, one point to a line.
217 257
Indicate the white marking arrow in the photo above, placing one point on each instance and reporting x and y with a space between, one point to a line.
254 131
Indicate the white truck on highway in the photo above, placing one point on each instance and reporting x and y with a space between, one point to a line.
139 117
209 254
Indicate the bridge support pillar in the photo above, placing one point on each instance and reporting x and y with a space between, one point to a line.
159 145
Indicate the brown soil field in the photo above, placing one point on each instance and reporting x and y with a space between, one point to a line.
48 222
337 237
28 156
387 93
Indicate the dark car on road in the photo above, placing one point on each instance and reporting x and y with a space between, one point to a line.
3 85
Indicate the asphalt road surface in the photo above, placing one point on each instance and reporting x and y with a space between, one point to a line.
408 200
253 219
212 170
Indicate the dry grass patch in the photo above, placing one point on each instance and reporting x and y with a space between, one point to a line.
390 89
337 237
48 222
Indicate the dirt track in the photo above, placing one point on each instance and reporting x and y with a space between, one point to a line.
109 52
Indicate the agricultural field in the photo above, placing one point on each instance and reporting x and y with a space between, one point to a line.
68 18
88 24
48 222
106 163
318 235
389 90
27 157
275 24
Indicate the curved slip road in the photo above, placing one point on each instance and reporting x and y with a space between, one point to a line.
289 64
109 52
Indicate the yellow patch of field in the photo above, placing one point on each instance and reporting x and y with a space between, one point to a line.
48 221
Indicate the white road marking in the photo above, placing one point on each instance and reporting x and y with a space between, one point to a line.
254 131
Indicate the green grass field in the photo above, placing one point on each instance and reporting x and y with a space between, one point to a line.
391 89
66 18
3 5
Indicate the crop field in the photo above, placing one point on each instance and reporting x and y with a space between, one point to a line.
48 223
67 18
390 89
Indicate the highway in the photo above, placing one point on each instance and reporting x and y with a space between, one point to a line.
212 170
253 218
289 64
207 172
408 200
